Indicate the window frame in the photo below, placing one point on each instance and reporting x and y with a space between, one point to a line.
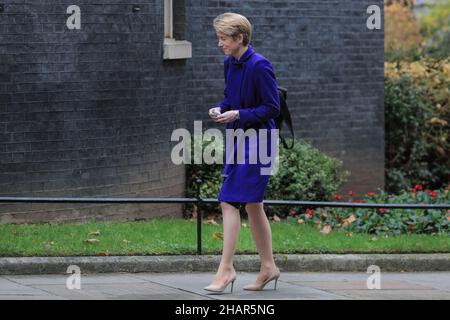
173 49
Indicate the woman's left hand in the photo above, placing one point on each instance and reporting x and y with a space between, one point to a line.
228 116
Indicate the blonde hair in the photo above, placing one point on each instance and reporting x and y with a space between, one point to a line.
233 24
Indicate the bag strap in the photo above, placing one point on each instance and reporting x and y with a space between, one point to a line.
286 116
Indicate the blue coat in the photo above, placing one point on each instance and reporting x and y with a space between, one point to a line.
251 88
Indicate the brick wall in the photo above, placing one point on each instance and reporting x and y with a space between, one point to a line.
87 112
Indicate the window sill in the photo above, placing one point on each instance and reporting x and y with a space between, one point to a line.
177 49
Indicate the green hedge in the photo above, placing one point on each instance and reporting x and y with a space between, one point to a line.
417 116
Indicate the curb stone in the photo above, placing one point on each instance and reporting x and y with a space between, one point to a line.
209 263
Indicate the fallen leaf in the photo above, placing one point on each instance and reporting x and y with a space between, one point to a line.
217 235
276 218
300 221
374 239
349 234
103 254
211 221
194 212
244 225
126 241
48 244
92 240
346 222
326 229
94 233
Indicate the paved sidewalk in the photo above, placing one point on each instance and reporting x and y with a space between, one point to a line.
189 286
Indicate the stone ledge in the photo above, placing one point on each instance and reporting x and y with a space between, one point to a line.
209 263
177 49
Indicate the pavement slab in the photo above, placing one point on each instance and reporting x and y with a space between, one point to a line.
189 286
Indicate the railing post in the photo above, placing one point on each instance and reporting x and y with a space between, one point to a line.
199 218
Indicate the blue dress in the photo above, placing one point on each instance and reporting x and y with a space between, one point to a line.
251 88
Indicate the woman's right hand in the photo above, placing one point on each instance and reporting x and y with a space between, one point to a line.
214 113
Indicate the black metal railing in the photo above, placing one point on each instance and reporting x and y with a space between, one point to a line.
199 201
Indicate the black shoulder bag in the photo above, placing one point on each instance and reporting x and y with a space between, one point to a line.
285 116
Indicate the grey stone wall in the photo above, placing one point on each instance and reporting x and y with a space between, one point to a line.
87 112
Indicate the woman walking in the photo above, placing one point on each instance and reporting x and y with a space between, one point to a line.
251 102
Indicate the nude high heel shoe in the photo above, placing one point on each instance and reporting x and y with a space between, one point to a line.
223 287
259 287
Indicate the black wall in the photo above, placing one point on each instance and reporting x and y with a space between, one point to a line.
87 112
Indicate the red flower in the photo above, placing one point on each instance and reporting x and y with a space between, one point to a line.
371 194
382 210
352 193
292 212
310 213
432 193
337 196
417 187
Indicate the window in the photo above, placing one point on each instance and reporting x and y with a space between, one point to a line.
174 49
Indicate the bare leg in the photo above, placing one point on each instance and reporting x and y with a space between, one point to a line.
262 234
231 227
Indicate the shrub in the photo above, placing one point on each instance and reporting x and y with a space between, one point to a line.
410 35
417 111
435 28
402 31
303 173
204 179
385 221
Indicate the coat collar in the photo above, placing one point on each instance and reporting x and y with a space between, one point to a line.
247 54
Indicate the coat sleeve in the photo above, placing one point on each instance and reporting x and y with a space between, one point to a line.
225 104
269 100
